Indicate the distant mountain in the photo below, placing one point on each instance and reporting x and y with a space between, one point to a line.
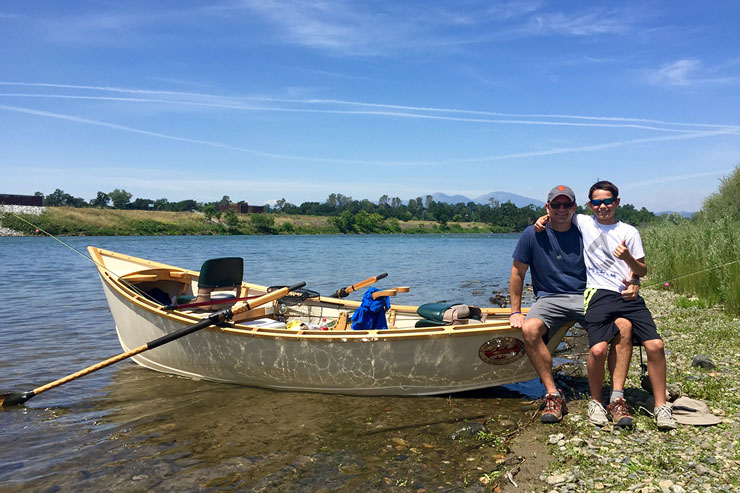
685 214
501 197
450 199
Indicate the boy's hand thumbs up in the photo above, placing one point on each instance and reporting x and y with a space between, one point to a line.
622 252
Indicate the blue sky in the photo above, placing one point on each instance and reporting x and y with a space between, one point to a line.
261 100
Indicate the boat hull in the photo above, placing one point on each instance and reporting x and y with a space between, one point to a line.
429 361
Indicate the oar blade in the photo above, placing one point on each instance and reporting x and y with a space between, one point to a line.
14 398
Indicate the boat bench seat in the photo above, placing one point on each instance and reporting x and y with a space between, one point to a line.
153 275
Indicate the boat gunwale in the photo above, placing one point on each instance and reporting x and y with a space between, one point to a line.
118 283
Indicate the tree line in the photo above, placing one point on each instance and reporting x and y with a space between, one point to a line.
349 215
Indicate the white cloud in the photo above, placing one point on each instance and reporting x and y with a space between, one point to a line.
691 72
678 73
591 23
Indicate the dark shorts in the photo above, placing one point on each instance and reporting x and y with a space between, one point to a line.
604 307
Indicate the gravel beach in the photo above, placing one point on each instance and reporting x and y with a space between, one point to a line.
703 356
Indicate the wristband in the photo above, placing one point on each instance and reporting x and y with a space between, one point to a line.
514 313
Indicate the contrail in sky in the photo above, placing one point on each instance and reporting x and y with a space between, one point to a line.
554 151
347 112
232 102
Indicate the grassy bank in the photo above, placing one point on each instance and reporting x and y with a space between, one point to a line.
700 258
114 222
689 459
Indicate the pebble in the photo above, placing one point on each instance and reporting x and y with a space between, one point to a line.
469 430
701 469
556 438
556 479
703 362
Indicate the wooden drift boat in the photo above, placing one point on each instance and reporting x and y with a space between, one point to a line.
270 346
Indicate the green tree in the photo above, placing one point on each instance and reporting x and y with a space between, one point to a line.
366 222
210 211
55 198
120 198
344 222
101 200
263 223
142 204
726 201
231 221
161 204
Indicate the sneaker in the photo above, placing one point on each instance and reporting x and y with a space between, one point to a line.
664 418
553 408
597 413
619 412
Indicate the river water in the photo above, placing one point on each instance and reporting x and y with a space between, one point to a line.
126 428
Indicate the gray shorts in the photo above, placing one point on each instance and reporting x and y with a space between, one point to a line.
557 309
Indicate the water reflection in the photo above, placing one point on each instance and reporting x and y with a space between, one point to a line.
157 431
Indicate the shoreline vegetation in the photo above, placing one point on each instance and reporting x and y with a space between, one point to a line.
115 214
73 221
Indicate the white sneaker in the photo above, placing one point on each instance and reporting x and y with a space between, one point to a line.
597 413
664 418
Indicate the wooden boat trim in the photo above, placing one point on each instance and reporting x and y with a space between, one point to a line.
120 284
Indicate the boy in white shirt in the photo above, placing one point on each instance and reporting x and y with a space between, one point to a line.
615 257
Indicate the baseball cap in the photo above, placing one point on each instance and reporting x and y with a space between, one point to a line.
561 190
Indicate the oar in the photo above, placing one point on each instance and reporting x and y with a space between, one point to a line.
211 302
17 398
342 292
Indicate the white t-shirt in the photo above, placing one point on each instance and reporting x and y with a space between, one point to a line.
603 269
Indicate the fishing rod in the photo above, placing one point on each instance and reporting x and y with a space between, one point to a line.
666 281
119 278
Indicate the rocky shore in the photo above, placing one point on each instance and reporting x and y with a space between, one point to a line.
703 354
16 209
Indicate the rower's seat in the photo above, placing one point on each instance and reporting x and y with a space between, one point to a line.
435 314
218 274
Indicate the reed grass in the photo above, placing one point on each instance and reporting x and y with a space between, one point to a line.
699 258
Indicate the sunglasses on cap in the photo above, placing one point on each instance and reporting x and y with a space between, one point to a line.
598 202
558 205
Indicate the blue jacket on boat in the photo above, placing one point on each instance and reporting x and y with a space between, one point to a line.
371 313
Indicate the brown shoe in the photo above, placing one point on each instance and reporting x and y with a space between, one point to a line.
553 409
619 412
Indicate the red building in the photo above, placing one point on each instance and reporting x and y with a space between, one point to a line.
243 208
